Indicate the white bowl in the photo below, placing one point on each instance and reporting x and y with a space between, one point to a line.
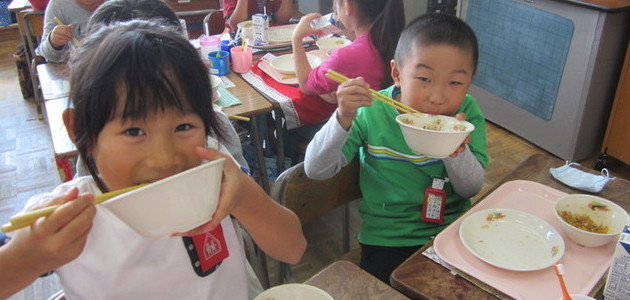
433 143
293 291
601 211
216 82
247 29
280 35
174 204
328 44
284 63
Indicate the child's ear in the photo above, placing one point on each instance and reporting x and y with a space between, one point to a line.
68 120
395 73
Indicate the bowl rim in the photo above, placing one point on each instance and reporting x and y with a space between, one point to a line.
469 126
301 285
209 164
309 56
346 41
555 209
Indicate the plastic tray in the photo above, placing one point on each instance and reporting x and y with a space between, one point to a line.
584 266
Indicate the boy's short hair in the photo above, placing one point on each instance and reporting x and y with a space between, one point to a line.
125 10
152 66
433 29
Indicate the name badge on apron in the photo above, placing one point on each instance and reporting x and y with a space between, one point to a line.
434 202
206 251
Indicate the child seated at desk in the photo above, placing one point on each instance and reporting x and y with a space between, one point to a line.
140 93
432 69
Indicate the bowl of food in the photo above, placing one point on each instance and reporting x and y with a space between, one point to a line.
247 29
327 44
284 63
435 136
216 82
174 204
292 291
590 221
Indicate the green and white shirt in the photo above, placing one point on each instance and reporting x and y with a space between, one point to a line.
393 178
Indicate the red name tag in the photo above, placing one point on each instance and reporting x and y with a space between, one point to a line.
207 251
434 202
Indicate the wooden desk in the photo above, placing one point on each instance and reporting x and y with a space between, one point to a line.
53 78
420 277
344 280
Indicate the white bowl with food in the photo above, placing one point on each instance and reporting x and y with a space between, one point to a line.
327 44
247 29
215 81
590 221
293 291
174 204
435 136
284 63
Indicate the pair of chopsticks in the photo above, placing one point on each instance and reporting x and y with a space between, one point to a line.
75 41
28 218
378 96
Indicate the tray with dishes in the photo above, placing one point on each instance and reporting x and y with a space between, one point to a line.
281 67
515 255
280 36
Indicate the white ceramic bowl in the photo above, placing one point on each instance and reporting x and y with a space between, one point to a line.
174 204
284 63
328 44
294 291
247 29
216 82
280 35
433 143
601 211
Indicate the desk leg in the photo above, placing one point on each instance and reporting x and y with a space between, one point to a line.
264 177
279 139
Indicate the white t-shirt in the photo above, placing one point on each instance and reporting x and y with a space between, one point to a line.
119 263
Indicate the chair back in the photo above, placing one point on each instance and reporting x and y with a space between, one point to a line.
309 198
34 30
214 22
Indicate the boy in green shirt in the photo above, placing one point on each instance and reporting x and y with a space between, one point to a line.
433 66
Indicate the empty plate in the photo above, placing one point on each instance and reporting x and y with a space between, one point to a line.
284 63
280 35
511 239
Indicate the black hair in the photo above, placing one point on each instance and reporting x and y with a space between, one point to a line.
152 64
387 20
434 29
125 10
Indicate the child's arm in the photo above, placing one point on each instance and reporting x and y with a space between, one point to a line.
240 13
284 12
276 229
47 244
465 172
302 66
324 154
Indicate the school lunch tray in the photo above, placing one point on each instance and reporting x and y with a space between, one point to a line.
288 79
584 266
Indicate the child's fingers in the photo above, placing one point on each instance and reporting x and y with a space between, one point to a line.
70 195
80 211
460 116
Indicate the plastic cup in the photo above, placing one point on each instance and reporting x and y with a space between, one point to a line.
207 45
226 45
219 62
241 59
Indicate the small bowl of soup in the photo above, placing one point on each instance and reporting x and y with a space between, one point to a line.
590 221
435 136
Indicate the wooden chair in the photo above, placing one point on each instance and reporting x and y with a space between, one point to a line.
309 199
214 22
34 27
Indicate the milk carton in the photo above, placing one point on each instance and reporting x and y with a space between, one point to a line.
260 22
618 282
327 24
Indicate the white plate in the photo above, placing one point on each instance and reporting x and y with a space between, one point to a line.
280 35
511 239
284 63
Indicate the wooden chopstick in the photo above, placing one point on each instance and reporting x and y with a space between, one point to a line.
75 41
239 118
378 96
28 218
